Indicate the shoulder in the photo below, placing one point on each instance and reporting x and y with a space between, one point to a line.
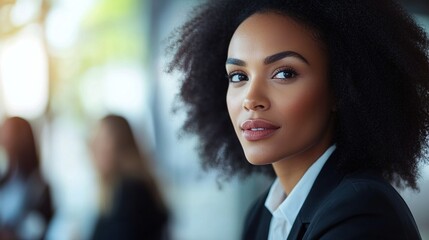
256 210
370 193
135 213
130 191
364 205
257 220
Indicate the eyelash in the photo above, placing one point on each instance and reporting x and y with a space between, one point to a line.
236 73
290 71
287 70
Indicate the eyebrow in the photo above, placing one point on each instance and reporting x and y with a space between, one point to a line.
276 57
270 59
235 61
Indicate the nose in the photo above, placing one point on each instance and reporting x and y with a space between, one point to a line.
256 98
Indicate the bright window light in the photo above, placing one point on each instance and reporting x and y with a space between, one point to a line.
118 88
24 73
25 11
63 22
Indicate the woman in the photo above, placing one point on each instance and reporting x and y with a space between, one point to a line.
329 97
25 200
130 206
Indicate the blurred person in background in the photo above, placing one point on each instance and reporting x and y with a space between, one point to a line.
25 200
130 203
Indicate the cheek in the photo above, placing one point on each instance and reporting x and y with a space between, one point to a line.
305 103
232 103
309 110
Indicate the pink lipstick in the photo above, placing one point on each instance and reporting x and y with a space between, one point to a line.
257 129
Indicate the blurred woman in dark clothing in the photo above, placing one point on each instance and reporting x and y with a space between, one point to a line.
26 206
130 204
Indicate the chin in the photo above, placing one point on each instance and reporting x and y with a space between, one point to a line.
258 160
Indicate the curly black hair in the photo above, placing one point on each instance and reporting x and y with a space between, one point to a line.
379 72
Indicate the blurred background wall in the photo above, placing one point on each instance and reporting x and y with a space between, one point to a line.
66 63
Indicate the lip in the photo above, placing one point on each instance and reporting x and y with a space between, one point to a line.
257 129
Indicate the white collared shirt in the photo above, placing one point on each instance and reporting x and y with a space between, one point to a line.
285 208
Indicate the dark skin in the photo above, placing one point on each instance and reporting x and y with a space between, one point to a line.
378 75
279 77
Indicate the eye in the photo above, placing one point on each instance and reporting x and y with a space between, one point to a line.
285 74
236 77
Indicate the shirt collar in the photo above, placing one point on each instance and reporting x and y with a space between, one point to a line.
288 207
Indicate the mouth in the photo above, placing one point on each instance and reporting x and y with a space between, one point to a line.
257 129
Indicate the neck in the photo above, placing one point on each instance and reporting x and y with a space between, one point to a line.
291 169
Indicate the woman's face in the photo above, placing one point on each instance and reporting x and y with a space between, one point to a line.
103 149
278 97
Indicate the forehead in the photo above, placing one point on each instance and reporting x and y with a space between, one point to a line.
269 33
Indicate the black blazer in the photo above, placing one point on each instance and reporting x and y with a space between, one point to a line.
134 215
360 205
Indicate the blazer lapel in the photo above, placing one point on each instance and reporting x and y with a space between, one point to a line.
264 227
325 182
